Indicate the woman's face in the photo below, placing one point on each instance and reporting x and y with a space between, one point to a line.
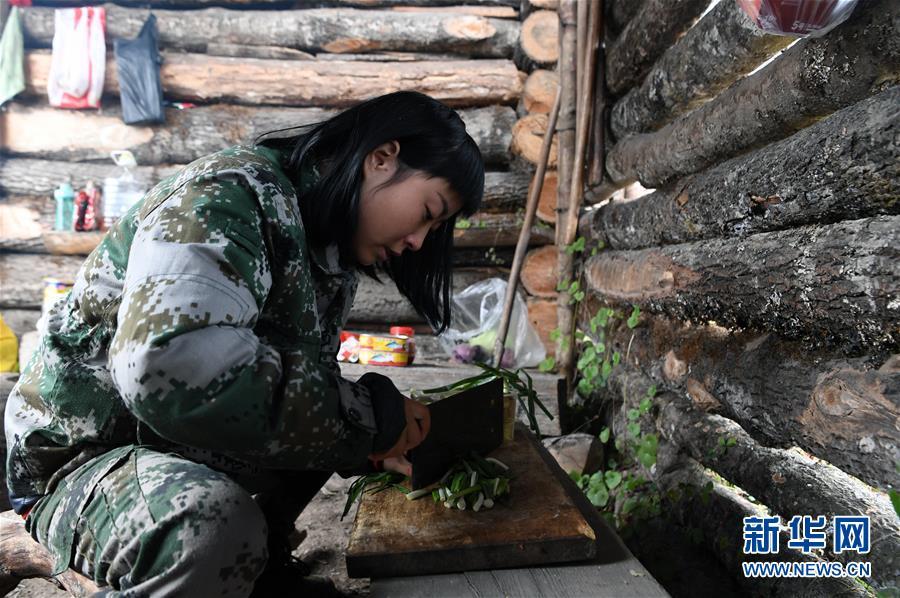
396 217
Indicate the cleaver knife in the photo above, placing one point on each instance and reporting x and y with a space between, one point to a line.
471 420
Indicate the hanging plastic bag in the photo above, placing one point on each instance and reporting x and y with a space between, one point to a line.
798 18
12 57
137 64
477 310
78 66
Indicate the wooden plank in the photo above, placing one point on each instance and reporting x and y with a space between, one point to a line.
486 230
830 285
207 79
72 243
527 137
29 183
823 75
316 29
844 167
720 48
613 573
655 27
40 131
540 524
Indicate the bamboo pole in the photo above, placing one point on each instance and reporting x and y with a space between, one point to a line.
581 37
565 133
525 233
570 224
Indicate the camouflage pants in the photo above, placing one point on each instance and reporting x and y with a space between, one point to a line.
142 523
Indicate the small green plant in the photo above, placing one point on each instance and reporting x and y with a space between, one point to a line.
576 247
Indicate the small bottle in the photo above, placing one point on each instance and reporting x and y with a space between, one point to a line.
65 206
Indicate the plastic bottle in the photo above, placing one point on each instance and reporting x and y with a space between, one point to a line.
122 191
65 206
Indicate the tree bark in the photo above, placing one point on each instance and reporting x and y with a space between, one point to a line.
202 78
527 137
497 230
30 183
703 502
810 80
654 28
325 29
423 3
50 133
267 52
619 12
22 275
539 276
786 481
540 91
842 410
844 167
723 46
824 285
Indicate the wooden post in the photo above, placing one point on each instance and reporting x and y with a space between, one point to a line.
566 131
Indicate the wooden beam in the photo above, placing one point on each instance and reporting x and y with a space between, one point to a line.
539 41
208 79
720 48
539 275
496 230
318 29
844 167
823 75
824 285
49 133
655 27
619 12
540 91
30 182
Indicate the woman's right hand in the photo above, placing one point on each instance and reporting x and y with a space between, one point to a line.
418 424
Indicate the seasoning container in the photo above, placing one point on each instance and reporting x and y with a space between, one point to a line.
384 350
409 332
65 207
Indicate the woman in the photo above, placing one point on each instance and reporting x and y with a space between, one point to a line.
185 403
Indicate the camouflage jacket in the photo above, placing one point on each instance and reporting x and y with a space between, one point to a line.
203 323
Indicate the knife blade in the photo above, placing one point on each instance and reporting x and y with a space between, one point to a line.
471 420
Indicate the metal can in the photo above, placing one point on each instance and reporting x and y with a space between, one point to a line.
384 350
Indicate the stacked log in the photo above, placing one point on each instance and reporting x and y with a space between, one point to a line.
275 66
764 263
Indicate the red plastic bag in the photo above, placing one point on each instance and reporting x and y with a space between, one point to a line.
798 17
78 66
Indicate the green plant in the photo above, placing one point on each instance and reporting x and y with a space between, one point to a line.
463 223
576 246
518 382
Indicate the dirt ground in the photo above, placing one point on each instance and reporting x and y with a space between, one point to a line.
323 547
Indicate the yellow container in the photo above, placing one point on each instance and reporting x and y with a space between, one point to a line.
369 356
386 343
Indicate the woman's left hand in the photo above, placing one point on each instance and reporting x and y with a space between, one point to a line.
398 464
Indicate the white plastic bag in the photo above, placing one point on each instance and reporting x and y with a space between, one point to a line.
121 191
78 65
473 328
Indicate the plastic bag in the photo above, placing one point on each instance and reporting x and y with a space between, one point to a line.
137 64
473 328
12 57
799 18
78 65
122 191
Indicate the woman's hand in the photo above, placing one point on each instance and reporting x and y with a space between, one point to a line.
418 423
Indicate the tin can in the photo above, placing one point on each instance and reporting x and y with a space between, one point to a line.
384 350
386 358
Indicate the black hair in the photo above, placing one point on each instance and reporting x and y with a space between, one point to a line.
432 139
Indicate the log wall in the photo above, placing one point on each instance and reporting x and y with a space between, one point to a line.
765 264
245 68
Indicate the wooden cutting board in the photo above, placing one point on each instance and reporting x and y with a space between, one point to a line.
540 524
